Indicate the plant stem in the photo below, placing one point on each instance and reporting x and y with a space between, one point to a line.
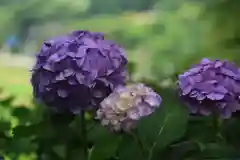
216 126
84 136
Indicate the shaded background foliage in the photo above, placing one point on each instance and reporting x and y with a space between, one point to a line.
162 38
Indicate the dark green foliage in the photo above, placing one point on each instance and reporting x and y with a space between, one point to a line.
169 134
182 33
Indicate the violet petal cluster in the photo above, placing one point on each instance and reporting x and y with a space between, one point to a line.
211 87
77 71
126 105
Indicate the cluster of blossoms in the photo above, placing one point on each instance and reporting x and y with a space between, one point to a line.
126 105
83 70
78 71
211 87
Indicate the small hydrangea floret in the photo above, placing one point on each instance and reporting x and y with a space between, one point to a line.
211 87
126 105
77 71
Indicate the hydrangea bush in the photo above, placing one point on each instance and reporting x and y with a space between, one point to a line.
87 109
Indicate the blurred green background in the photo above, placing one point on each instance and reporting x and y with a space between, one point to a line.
162 37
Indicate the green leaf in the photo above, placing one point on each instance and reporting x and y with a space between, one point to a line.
231 131
60 150
216 150
165 126
98 133
196 125
104 151
24 131
5 126
22 145
5 113
104 142
76 154
129 149
3 143
6 101
22 113
61 119
181 150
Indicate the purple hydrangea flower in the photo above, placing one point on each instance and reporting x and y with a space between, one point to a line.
78 70
211 87
126 105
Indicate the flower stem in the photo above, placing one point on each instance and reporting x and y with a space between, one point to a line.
216 126
84 136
